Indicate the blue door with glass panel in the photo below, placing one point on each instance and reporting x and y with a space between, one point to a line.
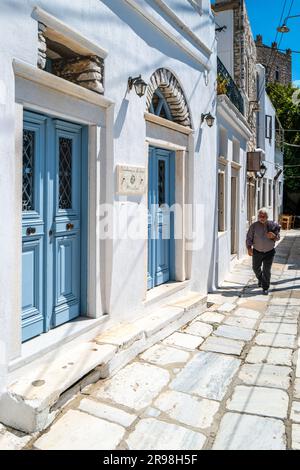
161 188
52 232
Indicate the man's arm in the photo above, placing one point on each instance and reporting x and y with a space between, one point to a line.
250 237
274 232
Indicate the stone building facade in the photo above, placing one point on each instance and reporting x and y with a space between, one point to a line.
237 51
242 64
278 64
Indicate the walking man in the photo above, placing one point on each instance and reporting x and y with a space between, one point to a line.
260 242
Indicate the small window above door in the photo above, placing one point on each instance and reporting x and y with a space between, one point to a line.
159 106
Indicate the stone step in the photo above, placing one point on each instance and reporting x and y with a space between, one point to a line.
32 401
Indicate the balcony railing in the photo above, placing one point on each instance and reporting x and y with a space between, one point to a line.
231 88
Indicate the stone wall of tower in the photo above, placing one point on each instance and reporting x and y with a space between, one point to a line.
278 64
244 58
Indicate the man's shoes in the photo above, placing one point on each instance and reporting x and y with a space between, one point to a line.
265 291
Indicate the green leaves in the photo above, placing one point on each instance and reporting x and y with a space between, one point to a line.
286 100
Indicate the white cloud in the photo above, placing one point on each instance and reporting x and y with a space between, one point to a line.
296 83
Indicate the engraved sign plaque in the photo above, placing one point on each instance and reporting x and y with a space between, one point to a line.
131 179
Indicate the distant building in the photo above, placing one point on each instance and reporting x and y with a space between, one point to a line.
278 64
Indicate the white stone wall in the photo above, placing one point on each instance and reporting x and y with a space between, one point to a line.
134 46
223 239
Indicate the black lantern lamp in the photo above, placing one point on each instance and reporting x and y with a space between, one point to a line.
262 171
208 118
139 85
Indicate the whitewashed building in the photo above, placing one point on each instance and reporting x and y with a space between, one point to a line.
269 140
85 147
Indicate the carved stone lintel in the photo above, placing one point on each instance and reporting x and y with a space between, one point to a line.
42 46
86 71
173 94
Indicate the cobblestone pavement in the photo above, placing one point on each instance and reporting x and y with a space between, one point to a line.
228 380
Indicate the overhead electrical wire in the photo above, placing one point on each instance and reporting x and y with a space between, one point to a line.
262 86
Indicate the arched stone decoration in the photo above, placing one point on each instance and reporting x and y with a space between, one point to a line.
173 93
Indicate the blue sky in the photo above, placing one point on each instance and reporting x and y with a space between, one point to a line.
264 18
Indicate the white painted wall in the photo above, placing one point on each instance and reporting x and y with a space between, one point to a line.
134 47
273 158
223 239
225 39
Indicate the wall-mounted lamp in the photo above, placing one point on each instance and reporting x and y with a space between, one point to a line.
208 118
139 85
262 172
284 28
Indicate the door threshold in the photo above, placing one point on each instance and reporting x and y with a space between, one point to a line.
164 290
43 344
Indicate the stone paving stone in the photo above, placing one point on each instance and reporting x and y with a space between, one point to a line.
295 412
12 440
260 401
135 386
223 345
207 375
220 299
244 322
80 431
296 436
151 412
275 340
165 356
297 389
280 311
187 409
263 354
234 332
266 375
104 411
284 301
247 312
283 328
255 295
152 434
183 340
281 294
280 319
198 328
298 363
245 432
252 305
226 307
211 317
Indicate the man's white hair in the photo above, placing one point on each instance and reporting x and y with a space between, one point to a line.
263 210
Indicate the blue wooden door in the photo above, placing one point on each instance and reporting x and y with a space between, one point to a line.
161 186
51 228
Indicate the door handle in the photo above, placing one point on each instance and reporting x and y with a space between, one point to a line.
69 226
30 230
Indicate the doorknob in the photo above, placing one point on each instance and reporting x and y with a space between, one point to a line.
69 226
30 230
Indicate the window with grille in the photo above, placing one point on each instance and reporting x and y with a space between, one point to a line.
159 106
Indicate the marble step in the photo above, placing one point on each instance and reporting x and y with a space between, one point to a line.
32 400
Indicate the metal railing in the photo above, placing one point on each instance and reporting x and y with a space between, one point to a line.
232 90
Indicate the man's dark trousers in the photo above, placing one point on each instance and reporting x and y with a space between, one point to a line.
262 263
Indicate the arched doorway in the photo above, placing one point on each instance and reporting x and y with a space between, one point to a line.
166 100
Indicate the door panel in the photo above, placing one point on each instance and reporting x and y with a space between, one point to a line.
66 223
160 233
32 225
51 223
